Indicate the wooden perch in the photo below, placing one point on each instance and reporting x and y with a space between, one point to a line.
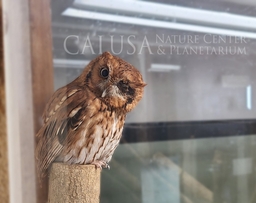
74 183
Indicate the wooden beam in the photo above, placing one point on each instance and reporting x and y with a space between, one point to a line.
41 56
42 68
4 180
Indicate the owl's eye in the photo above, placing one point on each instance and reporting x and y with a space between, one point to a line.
104 72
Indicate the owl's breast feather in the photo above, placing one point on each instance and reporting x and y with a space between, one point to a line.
98 137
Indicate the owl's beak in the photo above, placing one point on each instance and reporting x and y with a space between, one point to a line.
110 91
104 93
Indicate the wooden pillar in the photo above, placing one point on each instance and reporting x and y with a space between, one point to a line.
74 183
42 68
4 186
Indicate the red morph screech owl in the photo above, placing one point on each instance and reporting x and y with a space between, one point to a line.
83 121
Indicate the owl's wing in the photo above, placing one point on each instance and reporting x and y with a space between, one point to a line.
63 114
58 100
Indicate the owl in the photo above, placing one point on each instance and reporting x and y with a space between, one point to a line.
83 121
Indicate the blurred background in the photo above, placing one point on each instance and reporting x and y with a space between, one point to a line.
192 137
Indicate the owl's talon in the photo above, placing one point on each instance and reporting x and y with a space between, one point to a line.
107 166
100 164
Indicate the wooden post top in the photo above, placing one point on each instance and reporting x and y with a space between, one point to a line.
74 183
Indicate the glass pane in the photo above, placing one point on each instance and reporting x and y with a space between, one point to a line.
207 75
200 170
191 138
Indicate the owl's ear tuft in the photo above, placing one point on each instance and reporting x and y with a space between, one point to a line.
107 54
142 84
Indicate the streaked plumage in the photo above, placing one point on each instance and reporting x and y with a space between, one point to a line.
83 121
